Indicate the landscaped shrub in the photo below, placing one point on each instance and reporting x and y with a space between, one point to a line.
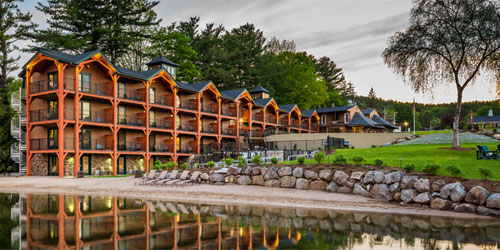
379 162
210 164
184 165
340 159
319 156
454 171
409 167
242 161
358 160
171 165
485 173
301 160
431 168
228 161
256 159
274 160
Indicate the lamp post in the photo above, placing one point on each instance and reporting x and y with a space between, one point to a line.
406 126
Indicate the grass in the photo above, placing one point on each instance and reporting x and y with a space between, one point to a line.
421 155
433 132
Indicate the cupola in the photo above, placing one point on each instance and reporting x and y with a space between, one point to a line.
163 62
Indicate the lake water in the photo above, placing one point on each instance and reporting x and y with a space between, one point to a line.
42 221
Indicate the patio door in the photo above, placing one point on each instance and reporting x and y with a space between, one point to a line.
52 80
85 111
85 139
122 145
152 162
152 142
122 165
53 166
85 164
52 138
52 111
84 85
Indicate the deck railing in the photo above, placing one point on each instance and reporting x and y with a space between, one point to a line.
131 120
229 112
163 100
159 147
132 94
95 144
98 116
97 89
49 114
187 127
209 109
132 146
188 104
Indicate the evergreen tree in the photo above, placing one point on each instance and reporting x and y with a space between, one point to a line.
107 25
347 90
275 46
334 78
372 99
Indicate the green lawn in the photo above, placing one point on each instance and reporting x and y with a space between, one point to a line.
433 132
423 154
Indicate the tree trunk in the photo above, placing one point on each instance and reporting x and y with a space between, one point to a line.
456 119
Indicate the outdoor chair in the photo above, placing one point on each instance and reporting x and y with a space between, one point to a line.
146 177
162 176
183 177
482 153
171 176
192 180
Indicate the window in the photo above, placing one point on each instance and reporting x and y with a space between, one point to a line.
152 118
52 138
347 117
85 110
121 90
84 82
121 115
52 80
52 111
152 95
178 122
85 139
323 119
152 143
122 140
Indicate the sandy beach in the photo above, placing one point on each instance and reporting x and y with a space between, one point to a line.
214 194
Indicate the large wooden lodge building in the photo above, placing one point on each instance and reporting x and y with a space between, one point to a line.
82 112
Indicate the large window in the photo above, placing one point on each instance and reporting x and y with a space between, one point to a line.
85 139
52 109
152 95
121 90
122 140
52 138
84 82
85 110
152 118
52 80
121 115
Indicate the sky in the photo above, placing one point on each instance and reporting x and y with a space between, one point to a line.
353 33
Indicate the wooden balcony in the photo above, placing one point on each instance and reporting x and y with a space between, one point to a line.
271 119
133 94
48 114
163 100
96 144
131 146
229 112
132 120
51 144
161 148
257 118
190 104
97 117
102 89
210 108
161 124
41 86
187 126
188 148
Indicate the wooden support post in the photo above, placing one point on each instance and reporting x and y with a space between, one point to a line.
28 126
76 132
60 121
114 130
147 134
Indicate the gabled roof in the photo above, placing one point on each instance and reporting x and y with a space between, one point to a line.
367 111
259 89
359 120
334 109
162 59
308 113
485 118
262 102
232 94
379 120
194 87
287 107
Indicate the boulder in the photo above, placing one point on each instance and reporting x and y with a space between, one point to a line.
302 183
256 170
318 185
482 210
332 187
477 195
422 185
310 175
397 196
246 170
437 185
493 201
378 177
298 172
243 180
369 177
394 177
234 170
381 191
350 184
340 177
272 183
205 177
344 190
288 181
285 171
407 181
423 198
407 195
258 180
217 177
441 204
394 187
454 191
357 175
466 208
326 175
359 190
271 174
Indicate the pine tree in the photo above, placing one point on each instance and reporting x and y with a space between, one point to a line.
107 25
334 78
372 99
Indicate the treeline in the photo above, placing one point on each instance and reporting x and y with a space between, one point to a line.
435 116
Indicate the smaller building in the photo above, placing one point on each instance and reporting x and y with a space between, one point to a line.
485 120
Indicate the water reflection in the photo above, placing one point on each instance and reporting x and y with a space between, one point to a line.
94 222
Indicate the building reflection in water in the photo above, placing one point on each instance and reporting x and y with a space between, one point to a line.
96 222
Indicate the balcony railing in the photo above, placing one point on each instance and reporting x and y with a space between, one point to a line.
43 85
44 144
228 131
187 127
95 144
256 133
188 104
97 89
163 100
210 109
187 149
159 147
270 119
161 123
46 114
212 147
98 116
132 146
131 120
132 94
229 112
314 127
283 122
209 129
257 117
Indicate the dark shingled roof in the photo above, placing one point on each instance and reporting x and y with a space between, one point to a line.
379 120
367 111
334 109
262 102
287 107
259 89
307 113
162 59
194 87
360 120
232 94
485 118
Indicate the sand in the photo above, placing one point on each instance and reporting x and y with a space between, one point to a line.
214 194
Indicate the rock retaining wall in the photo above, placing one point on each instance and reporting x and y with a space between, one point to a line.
390 186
